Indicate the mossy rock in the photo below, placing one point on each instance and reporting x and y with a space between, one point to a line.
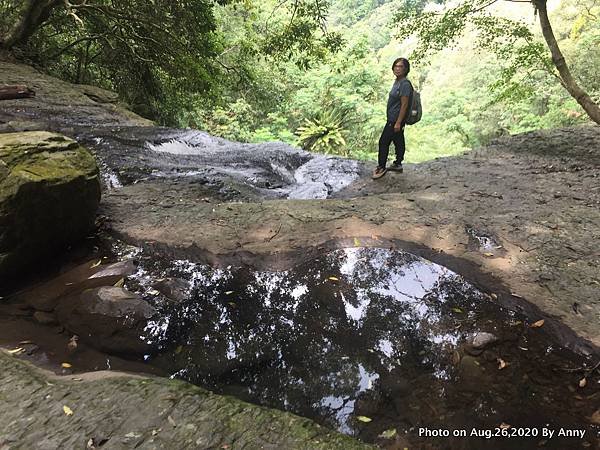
49 194
116 411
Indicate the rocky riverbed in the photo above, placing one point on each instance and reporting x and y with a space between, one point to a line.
518 220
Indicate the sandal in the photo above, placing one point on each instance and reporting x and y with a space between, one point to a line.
379 172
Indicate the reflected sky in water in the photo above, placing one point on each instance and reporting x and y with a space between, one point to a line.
313 339
359 331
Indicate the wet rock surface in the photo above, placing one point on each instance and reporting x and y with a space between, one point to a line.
110 318
104 411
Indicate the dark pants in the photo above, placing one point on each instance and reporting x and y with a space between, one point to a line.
387 137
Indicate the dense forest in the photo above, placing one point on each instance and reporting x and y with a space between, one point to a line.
316 74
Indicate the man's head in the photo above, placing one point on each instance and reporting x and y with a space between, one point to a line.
401 67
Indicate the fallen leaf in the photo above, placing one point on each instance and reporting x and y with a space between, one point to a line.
364 419
505 426
16 351
488 254
171 421
494 296
333 278
357 242
583 382
26 342
595 419
77 379
537 324
457 310
68 411
66 365
501 363
388 434
120 283
228 292
179 349
96 264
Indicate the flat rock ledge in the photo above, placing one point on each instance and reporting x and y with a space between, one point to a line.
39 410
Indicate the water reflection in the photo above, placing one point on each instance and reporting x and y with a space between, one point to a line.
359 331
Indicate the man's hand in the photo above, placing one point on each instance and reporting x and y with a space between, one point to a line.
397 127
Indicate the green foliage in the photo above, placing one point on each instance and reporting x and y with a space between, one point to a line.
259 71
323 134
163 55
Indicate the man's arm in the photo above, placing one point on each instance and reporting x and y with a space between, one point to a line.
402 115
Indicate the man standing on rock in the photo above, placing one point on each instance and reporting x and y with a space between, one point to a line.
397 109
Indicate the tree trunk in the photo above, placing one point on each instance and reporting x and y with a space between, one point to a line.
589 106
33 14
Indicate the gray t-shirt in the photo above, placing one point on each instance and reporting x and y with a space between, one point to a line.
401 88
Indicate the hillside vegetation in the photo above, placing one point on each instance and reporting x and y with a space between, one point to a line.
317 75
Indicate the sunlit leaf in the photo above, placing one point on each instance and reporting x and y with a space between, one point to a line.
501 363
66 365
488 254
357 242
583 382
228 292
96 264
68 411
457 310
179 349
537 324
505 426
494 296
364 419
16 351
120 283
388 434
333 278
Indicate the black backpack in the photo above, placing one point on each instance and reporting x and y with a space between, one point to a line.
416 110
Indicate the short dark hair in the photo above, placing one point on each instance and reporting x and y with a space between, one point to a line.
405 61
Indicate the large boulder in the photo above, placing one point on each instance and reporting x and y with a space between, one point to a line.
49 194
108 318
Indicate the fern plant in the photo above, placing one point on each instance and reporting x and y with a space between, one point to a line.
323 134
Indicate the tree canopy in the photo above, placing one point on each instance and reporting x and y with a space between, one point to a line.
154 53
512 41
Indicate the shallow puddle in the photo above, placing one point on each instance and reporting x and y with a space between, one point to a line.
371 342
